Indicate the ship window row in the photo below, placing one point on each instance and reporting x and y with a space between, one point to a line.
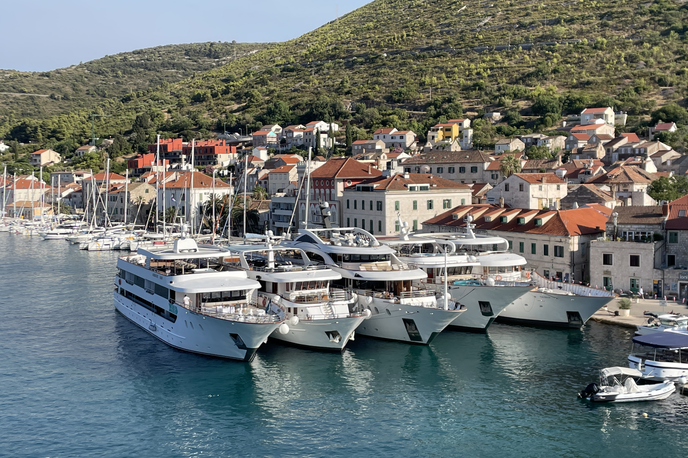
149 305
149 286
224 296
363 257
306 285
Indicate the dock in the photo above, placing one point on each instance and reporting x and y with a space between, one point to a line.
637 311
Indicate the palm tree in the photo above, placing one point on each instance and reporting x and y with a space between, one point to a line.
252 217
509 165
259 193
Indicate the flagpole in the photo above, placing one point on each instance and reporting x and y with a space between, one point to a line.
193 208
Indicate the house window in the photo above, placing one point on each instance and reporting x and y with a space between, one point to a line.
396 226
511 245
635 260
474 169
355 204
446 203
607 259
558 251
371 226
520 187
673 237
415 205
355 222
362 204
462 169
558 187
463 201
607 283
546 274
451 169
671 260
347 203
396 205
348 222
545 250
533 248
379 226
521 247
506 187
415 225
430 205
539 188
681 213
494 176
440 169
407 169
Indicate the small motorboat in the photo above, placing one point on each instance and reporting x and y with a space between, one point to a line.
659 323
618 384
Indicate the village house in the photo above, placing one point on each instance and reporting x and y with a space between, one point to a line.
65 177
464 166
144 163
594 115
44 157
377 204
267 138
394 138
133 199
280 178
579 171
505 145
579 195
453 130
529 190
282 210
662 127
210 152
293 135
367 146
327 184
628 184
169 149
27 189
554 243
280 160
80 151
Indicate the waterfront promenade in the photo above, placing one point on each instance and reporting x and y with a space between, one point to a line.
637 309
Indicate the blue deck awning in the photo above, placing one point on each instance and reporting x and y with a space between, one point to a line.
663 340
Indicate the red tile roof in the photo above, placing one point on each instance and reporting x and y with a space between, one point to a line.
283 169
400 183
388 130
664 126
595 110
113 176
632 137
538 178
345 168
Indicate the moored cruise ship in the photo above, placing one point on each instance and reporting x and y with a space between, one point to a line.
484 301
385 286
185 297
319 316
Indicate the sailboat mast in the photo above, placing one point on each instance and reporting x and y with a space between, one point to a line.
164 197
212 203
245 180
126 195
4 191
157 182
308 187
107 190
191 192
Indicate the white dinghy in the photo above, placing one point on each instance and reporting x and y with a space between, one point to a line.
618 384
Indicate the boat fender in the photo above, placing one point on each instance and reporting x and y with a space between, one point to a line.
284 328
294 320
367 313
368 300
263 301
645 415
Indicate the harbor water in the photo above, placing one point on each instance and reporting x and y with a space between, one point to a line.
78 379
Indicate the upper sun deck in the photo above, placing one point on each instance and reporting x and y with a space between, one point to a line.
342 240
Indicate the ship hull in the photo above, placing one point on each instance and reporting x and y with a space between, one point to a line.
483 304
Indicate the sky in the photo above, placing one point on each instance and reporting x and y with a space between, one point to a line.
42 35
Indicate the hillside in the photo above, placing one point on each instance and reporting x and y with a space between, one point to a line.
412 63
44 94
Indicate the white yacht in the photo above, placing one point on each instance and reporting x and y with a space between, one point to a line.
319 317
185 297
484 300
385 286
661 356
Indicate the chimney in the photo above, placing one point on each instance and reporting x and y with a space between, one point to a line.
501 202
665 209
370 169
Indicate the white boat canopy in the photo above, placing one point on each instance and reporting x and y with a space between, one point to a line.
618 370
502 260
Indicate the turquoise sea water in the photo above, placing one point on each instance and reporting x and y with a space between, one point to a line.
78 379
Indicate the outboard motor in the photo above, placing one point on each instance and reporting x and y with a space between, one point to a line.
589 391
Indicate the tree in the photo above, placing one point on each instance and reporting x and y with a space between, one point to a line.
349 135
538 152
509 165
671 113
668 188
260 193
